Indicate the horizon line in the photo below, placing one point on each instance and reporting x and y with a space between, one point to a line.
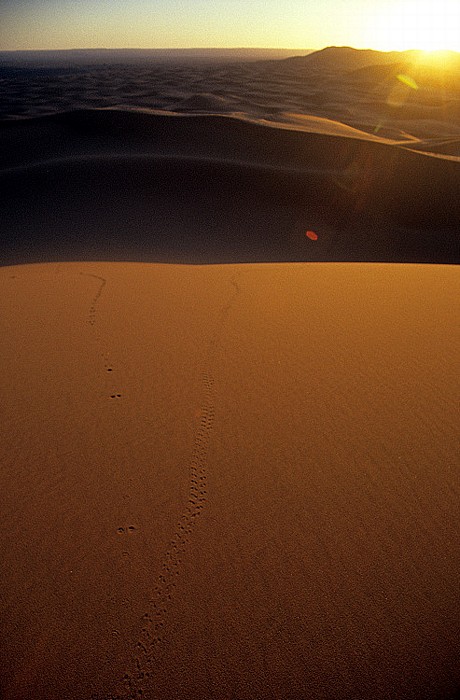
225 48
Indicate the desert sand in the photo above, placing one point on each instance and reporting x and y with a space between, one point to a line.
230 481
229 364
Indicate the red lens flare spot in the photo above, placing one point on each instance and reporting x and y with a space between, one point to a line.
311 235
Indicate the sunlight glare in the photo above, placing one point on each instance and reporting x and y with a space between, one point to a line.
429 25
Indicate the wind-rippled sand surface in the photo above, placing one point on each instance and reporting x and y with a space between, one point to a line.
239 479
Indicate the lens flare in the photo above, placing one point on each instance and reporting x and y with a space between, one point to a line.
407 80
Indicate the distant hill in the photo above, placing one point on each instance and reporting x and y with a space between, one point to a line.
343 59
365 66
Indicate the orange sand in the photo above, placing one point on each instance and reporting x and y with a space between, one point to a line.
229 481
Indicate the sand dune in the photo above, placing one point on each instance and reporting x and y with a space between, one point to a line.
117 185
229 481
351 86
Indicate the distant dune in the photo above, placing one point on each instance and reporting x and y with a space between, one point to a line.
204 102
359 88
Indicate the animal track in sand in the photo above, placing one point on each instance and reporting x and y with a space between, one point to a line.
92 308
92 319
153 636
126 530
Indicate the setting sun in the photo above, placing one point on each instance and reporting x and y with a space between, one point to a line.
430 25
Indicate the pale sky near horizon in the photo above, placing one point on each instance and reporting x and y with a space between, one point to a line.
293 24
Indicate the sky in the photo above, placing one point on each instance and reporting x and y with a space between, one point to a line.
292 24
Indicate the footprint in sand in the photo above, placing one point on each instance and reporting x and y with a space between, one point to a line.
126 530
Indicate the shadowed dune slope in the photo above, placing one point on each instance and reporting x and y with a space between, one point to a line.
112 185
